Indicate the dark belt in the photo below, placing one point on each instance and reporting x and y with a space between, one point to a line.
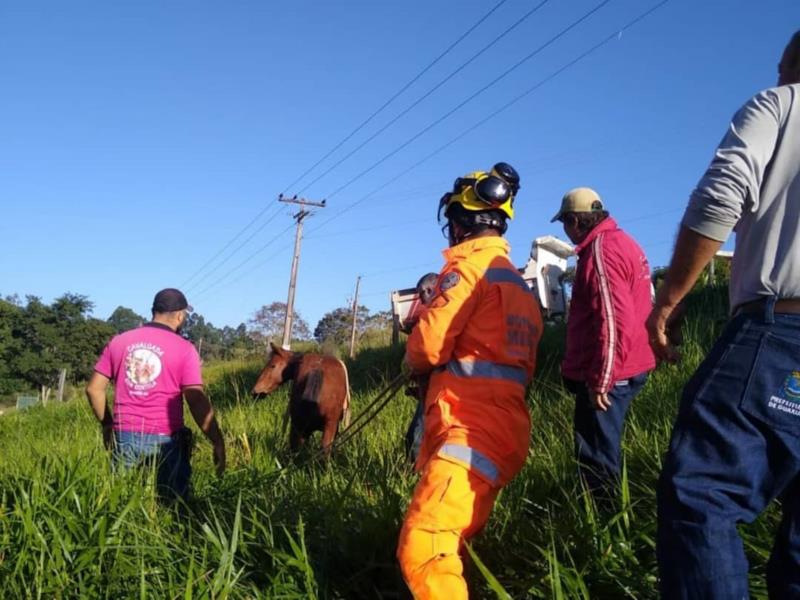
790 306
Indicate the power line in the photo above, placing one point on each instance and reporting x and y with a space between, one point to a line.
453 110
367 228
398 93
404 194
239 247
245 261
339 145
269 259
469 99
614 35
229 244
428 93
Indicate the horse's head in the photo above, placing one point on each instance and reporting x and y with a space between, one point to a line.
275 372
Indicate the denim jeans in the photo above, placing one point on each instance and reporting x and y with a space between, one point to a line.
598 434
170 454
735 447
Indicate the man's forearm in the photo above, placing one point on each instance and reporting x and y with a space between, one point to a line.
211 429
97 400
692 253
203 414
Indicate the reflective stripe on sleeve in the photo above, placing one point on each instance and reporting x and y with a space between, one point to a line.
498 275
488 370
472 458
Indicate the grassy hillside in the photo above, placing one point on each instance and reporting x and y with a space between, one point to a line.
69 529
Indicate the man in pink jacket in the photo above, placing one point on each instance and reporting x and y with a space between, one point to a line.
608 356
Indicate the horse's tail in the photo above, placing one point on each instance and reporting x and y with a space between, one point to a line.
346 407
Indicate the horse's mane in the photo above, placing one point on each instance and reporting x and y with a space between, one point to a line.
293 365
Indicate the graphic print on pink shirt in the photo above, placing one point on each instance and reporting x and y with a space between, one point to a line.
149 366
142 367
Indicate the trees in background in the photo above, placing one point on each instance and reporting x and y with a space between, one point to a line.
237 342
378 330
10 345
335 327
38 340
211 342
266 325
123 319
214 343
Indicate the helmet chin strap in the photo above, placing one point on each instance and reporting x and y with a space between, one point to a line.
490 221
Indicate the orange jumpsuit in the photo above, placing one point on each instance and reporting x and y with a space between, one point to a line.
479 337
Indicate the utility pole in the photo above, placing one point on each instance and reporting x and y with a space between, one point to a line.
355 316
299 216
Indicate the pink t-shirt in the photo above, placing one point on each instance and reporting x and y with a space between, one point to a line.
149 367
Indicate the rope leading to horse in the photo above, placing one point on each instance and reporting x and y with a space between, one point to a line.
370 412
363 419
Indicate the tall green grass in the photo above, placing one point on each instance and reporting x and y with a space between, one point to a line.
70 528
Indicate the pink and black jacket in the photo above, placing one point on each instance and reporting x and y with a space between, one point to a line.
611 299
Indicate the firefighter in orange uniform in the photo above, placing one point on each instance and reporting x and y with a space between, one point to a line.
478 340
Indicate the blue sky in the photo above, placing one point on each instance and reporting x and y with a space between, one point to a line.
138 139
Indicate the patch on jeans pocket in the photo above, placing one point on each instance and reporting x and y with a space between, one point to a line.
773 393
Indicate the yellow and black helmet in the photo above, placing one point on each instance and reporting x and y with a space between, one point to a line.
481 191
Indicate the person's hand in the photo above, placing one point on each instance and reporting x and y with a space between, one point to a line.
599 400
219 457
675 325
663 330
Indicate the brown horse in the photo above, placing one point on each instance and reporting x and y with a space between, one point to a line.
320 394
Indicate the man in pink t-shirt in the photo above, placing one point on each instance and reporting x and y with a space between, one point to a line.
153 369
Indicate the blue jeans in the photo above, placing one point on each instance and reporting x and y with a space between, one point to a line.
170 454
598 434
735 447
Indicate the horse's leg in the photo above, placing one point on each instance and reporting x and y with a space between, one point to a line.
296 439
328 434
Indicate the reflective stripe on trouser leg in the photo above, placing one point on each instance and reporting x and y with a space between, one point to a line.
472 459
450 504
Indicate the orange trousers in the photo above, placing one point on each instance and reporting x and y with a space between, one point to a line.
450 505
